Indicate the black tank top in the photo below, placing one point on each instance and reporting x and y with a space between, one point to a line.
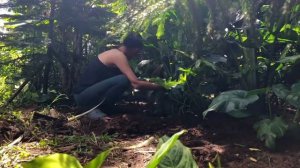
95 72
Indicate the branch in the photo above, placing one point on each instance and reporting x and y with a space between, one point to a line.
86 112
16 141
140 145
21 88
16 93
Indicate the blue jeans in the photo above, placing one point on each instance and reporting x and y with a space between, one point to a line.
111 89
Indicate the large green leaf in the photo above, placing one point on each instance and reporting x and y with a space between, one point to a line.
164 149
291 96
53 161
269 130
99 160
179 156
58 160
280 90
232 102
294 97
296 87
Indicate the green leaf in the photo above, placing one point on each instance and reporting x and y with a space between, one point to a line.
297 28
258 91
55 160
280 90
265 8
285 27
291 96
162 82
213 107
201 62
294 99
296 87
210 165
269 130
269 38
169 84
233 103
179 156
160 30
164 149
290 59
99 160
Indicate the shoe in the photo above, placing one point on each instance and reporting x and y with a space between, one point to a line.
96 114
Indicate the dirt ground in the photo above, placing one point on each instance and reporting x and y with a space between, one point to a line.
233 140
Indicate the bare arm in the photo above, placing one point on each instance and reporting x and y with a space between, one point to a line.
120 60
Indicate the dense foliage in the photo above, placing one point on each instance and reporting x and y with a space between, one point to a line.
197 49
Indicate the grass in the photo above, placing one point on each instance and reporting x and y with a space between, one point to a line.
42 138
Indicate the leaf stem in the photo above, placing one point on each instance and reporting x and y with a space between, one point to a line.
297 115
268 99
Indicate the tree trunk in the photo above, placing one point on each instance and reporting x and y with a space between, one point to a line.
77 59
249 52
199 25
48 62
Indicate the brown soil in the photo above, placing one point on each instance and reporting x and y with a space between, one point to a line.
234 140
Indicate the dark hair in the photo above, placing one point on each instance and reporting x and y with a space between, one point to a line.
133 40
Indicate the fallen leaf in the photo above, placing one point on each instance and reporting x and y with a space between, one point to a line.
254 149
67 148
253 159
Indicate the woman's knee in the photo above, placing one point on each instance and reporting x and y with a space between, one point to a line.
83 101
123 81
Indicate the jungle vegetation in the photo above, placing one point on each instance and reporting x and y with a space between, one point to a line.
239 57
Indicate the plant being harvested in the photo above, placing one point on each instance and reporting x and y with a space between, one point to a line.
169 84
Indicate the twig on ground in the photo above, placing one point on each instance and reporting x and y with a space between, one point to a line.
16 141
153 151
140 145
85 113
